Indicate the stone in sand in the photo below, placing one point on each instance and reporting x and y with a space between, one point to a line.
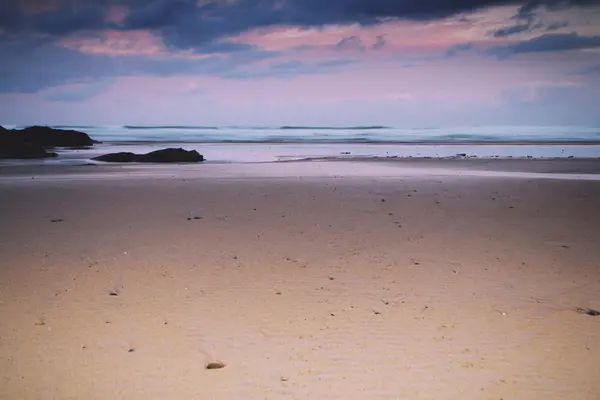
215 365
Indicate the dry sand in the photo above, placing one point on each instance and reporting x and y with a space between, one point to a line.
422 287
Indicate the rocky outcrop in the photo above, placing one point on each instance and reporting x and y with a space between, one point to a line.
23 151
33 142
12 146
170 155
51 137
123 157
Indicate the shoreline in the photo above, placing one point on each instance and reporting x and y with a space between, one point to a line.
261 152
394 168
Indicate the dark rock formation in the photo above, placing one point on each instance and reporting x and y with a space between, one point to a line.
117 157
172 155
50 137
22 150
159 156
33 141
12 146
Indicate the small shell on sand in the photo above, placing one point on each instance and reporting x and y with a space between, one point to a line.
215 365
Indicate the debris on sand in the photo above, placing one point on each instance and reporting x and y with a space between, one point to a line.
587 311
215 365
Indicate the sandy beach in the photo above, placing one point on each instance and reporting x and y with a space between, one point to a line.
308 281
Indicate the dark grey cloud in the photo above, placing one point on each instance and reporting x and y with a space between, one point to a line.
557 25
556 5
68 18
183 24
528 26
544 43
511 30
158 13
525 19
224 47
12 17
459 48
350 43
188 24
528 9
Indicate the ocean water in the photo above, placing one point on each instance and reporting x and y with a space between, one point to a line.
357 134
231 144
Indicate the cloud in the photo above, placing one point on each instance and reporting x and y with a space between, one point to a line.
379 42
528 9
224 47
32 59
459 48
67 18
350 43
290 69
528 26
525 19
39 64
547 42
511 30
557 25
12 17
158 13
183 24
188 24
35 66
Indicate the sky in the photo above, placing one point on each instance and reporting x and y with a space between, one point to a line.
402 63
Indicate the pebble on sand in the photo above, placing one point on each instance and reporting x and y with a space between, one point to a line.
215 365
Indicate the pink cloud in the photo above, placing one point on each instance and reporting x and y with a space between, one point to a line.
117 43
399 36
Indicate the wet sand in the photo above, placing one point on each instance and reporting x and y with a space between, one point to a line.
313 285
534 165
